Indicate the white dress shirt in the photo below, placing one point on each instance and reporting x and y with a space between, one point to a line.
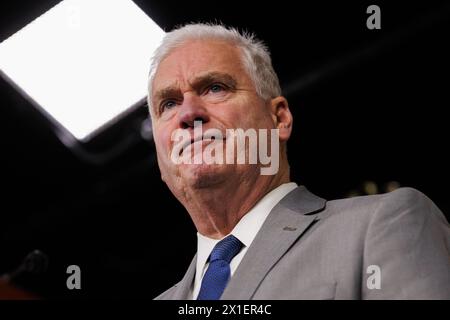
245 231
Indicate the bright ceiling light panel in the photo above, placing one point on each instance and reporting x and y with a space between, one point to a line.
84 62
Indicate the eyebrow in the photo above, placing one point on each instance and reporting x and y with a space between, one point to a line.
197 84
211 77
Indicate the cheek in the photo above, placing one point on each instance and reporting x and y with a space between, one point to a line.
235 115
255 115
162 141
233 120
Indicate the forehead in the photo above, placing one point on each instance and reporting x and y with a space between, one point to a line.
198 57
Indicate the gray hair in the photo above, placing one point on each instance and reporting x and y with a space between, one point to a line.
255 55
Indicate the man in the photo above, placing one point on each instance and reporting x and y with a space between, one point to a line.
260 236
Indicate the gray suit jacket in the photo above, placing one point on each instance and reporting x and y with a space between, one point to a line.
390 246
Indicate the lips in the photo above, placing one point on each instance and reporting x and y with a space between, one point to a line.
206 137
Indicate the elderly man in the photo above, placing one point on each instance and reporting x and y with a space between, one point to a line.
260 236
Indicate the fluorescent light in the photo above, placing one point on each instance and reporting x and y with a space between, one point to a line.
84 62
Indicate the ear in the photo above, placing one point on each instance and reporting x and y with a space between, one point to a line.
282 117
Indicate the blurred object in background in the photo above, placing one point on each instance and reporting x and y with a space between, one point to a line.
371 188
84 72
35 263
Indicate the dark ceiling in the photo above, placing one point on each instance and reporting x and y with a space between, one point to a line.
368 105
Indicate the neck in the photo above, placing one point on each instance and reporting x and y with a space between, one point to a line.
216 210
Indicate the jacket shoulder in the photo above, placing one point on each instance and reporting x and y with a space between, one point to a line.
401 199
167 295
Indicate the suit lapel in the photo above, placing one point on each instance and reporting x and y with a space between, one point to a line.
287 221
183 287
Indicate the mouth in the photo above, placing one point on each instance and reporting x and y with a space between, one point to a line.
204 138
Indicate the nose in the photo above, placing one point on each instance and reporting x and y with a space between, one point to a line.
192 110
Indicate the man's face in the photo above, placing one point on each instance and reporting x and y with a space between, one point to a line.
204 81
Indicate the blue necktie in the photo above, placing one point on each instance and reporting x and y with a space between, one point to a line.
218 273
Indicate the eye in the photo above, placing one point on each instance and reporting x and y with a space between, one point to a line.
216 88
168 104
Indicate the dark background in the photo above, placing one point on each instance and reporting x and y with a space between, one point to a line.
368 105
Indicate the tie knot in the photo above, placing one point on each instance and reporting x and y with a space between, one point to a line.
226 249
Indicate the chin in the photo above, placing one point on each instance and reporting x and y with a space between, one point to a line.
205 175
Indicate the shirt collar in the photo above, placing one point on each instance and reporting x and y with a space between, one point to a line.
249 225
